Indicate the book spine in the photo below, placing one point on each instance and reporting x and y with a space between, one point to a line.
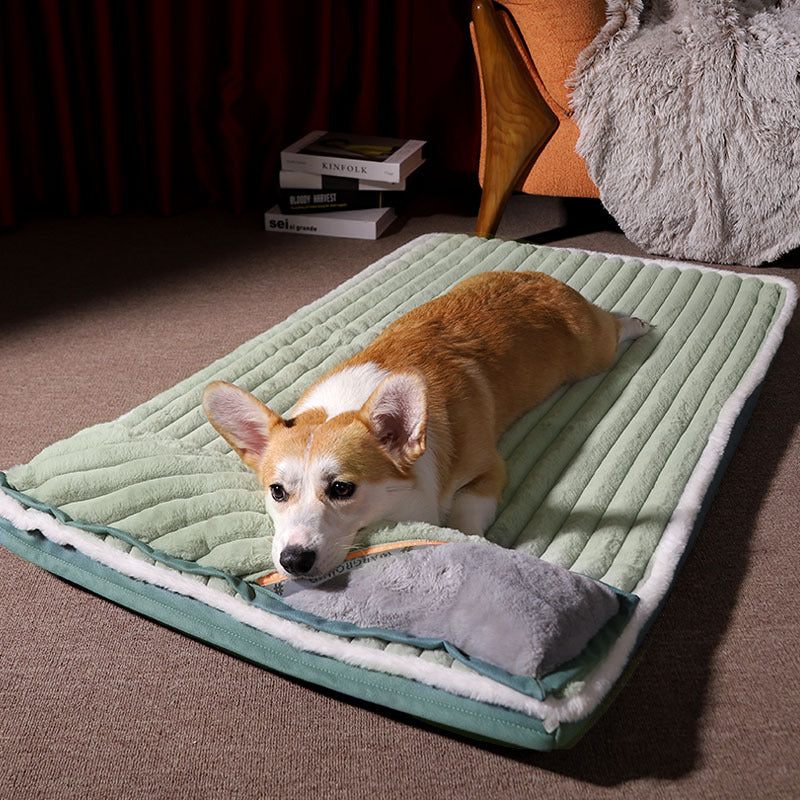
293 201
310 180
300 157
322 225
341 167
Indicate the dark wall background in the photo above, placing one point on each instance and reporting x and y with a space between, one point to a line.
165 105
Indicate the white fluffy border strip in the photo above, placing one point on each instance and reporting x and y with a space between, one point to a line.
551 711
466 684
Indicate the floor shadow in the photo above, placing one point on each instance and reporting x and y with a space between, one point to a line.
582 217
59 262
438 192
789 260
54 263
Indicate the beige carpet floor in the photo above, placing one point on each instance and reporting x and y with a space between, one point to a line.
98 314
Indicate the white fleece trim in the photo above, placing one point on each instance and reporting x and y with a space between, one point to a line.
466 684
551 711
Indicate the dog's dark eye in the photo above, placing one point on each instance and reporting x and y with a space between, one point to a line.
278 493
341 490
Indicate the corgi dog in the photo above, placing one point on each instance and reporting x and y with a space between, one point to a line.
407 428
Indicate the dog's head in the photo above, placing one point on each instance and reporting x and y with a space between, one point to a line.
325 478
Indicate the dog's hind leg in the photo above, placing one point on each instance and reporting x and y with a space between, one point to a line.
632 328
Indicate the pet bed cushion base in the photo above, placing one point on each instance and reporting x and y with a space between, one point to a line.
212 626
184 471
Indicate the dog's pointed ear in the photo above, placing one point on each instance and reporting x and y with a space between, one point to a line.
241 419
396 413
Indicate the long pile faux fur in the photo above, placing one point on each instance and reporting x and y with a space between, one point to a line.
689 117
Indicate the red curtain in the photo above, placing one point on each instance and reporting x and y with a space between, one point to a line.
111 105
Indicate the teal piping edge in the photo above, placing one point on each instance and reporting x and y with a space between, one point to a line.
469 717
266 600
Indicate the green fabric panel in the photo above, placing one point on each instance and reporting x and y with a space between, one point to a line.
594 473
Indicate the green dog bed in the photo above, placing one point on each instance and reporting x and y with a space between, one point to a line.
609 479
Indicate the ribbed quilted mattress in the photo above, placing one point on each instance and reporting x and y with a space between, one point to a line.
608 478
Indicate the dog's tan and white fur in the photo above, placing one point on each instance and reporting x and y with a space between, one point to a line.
407 428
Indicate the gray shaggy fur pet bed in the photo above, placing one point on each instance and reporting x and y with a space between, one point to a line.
689 117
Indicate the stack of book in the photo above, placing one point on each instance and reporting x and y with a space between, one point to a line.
334 184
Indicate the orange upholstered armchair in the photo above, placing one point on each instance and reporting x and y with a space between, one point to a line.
525 53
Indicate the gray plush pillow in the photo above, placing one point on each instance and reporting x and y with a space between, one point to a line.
506 608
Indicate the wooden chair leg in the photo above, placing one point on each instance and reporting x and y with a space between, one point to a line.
518 120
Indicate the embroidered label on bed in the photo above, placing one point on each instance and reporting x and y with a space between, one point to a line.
284 587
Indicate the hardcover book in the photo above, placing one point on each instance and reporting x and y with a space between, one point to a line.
368 223
311 180
294 201
347 155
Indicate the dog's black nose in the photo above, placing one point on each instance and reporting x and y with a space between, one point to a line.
298 560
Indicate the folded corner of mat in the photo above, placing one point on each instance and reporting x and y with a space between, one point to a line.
507 609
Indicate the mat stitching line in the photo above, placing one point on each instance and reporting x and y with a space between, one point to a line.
685 433
532 511
634 519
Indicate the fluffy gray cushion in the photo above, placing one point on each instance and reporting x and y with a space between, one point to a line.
689 114
506 608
